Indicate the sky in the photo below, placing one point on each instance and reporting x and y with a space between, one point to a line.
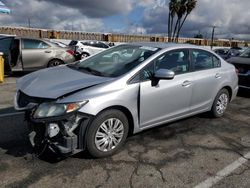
130 16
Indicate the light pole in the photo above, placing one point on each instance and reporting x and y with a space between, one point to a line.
212 40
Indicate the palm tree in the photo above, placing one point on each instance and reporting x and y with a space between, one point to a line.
182 9
190 5
173 9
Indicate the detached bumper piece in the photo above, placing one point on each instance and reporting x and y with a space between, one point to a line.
67 145
61 136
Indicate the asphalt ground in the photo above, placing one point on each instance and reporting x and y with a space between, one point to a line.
198 151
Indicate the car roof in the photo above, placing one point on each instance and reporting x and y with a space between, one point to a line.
92 41
161 44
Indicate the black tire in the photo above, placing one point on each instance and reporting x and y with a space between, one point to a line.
220 112
96 126
55 62
84 55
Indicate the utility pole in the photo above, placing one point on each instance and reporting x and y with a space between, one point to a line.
212 40
29 22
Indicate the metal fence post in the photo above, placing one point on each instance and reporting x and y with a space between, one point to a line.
1 68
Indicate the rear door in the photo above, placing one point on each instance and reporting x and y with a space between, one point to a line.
5 45
35 53
206 79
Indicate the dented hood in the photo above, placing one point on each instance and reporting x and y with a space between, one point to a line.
55 82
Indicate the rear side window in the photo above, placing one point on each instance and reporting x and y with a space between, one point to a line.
101 45
87 44
34 44
203 60
73 43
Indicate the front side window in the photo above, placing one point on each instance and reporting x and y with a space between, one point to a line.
5 44
203 60
177 61
34 44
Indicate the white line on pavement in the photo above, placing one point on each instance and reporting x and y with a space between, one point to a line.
11 114
225 172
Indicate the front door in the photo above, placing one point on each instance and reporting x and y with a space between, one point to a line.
169 99
5 45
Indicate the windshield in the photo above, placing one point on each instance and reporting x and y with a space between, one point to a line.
115 61
246 53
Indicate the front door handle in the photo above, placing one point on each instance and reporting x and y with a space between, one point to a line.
217 75
47 51
186 83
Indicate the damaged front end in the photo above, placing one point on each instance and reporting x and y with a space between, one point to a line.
53 126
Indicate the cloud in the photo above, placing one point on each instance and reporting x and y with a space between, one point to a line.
97 8
49 15
231 17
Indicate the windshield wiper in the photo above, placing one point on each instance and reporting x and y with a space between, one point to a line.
73 66
95 72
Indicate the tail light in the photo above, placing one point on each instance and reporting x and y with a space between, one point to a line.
70 52
237 71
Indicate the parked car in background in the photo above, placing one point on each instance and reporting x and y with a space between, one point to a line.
227 53
26 54
233 52
100 101
223 52
242 63
61 44
88 47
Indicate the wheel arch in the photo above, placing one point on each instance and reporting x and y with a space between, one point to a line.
85 124
127 113
230 91
53 60
85 52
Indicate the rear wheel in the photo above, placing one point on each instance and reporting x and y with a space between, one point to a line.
220 103
55 62
107 133
84 55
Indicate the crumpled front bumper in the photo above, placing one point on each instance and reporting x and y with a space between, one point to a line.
64 135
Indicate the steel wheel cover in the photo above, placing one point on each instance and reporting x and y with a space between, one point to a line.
109 134
221 104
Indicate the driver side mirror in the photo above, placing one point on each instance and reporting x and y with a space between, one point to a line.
164 74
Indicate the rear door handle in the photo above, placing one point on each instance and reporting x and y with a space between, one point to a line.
217 75
47 51
186 83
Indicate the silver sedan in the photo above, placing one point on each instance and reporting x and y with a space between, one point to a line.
100 101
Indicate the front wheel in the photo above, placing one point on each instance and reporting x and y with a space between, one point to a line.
107 133
220 103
